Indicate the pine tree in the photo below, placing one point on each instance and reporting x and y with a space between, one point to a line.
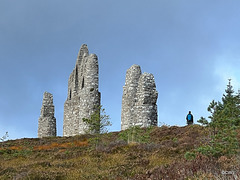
224 119
97 124
230 107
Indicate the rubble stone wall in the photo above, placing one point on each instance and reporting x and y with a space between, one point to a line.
83 95
47 121
139 99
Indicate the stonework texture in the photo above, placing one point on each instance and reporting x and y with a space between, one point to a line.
47 121
139 99
83 95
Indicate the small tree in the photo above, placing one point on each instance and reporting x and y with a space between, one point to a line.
97 124
203 121
3 138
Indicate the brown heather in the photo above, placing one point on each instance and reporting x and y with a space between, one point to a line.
71 158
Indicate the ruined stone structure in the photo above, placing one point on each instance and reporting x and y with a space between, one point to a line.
83 95
139 99
47 121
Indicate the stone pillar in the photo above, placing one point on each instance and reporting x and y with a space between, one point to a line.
139 99
146 107
47 121
129 96
83 95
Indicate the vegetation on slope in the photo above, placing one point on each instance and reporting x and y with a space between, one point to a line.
207 151
161 156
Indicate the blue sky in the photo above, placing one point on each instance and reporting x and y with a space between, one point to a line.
191 48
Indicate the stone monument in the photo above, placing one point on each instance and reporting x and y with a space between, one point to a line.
139 99
83 95
47 121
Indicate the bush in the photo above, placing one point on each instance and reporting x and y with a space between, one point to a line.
190 155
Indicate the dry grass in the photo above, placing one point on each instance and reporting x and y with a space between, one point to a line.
61 145
75 158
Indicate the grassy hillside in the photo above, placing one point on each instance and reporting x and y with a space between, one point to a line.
157 154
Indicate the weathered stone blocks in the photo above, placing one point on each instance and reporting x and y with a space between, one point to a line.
83 95
47 121
139 99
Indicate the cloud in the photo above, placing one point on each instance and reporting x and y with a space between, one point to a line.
226 67
191 48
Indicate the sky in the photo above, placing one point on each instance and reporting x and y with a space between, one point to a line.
191 47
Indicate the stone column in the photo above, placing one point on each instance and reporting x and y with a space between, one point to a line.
146 107
129 96
139 99
47 121
83 94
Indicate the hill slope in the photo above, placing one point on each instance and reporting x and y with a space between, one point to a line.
158 154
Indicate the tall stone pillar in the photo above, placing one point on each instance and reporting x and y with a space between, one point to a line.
83 95
47 121
139 99
129 96
145 106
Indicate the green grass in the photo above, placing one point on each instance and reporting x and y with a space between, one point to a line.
161 156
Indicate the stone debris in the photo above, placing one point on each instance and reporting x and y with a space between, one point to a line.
139 99
83 95
47 121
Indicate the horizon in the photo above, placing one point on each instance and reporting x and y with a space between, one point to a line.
191 48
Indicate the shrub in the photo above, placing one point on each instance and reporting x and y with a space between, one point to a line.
135 134
190 155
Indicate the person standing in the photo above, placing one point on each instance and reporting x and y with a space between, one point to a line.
189 118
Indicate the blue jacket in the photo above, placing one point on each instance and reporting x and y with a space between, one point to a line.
189 117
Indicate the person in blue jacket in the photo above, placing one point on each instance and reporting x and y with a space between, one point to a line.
189 118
